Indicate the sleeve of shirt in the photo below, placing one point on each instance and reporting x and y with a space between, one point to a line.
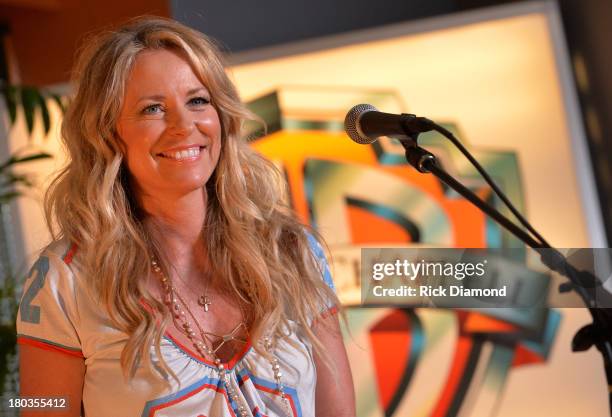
319 253
47 316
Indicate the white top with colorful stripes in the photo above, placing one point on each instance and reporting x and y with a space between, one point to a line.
57 313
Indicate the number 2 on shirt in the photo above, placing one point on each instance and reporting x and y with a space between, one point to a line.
31 313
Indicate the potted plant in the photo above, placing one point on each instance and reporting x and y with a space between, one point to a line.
33 104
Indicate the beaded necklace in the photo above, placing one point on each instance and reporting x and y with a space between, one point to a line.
205 346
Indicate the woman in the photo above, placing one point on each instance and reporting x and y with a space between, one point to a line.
179 283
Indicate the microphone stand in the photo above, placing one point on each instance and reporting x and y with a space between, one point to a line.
597 333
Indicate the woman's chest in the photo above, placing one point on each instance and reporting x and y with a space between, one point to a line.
215 330
205 320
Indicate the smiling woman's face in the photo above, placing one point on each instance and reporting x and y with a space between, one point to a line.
171 132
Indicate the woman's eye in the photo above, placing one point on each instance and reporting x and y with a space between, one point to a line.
199 101
152 109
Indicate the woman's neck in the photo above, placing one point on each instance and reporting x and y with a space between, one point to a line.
176 224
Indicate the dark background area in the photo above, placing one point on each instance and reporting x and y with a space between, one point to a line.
42 36
245 24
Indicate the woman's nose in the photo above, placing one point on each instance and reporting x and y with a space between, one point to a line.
180 123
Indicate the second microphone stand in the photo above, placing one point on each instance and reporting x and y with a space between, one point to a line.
599 332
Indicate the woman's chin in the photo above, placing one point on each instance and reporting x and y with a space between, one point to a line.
184 186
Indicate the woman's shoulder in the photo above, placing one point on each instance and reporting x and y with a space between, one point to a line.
48 313
61 249
319 253
51 280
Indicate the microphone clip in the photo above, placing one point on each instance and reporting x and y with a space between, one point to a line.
420 158
414 125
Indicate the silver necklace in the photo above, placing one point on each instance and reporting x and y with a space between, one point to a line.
204 300
205 346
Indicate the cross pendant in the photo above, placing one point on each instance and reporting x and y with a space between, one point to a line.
204 302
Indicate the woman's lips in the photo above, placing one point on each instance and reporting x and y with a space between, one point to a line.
190 153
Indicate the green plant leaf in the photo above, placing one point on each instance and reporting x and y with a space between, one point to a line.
10 94
13 160
29 100
59 102
44 111
12 179
7 338
8 197
32 157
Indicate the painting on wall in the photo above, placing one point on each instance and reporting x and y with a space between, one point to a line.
423 361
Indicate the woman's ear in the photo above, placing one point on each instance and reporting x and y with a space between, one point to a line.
117 142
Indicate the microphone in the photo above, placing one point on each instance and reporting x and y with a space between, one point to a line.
364 124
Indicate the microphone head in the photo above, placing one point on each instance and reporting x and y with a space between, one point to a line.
351 123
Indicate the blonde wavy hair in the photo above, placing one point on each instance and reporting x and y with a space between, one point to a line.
254 241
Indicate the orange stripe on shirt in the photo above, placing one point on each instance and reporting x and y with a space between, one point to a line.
70 254
48 346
